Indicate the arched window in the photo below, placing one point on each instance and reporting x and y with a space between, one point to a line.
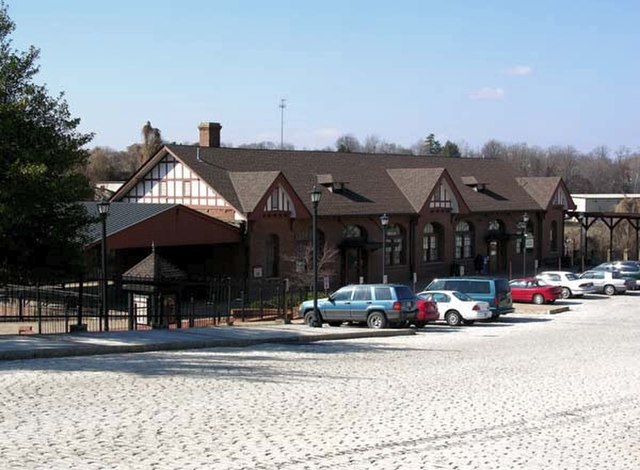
431 249
272 256
395 246
553 236
464 240
352 231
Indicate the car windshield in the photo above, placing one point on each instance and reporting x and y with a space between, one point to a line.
571 277
461 296
540 282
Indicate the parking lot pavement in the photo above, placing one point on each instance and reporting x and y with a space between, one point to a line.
529 392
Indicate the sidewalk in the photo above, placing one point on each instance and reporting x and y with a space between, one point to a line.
16 347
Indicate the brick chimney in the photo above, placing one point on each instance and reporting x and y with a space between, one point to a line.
209 134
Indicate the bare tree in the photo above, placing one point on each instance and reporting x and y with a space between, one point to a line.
302 276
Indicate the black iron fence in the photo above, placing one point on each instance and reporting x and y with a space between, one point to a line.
137 303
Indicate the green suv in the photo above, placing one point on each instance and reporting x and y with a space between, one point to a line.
376 305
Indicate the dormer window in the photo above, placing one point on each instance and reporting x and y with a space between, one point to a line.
331 183
279 201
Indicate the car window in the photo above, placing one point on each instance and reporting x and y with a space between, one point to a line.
598 275
362 293
570 277
403 293
502 285
440 297
436 284
462 296
541 282
343 294
552 277
383 293
617 275
477 287
456 285
517 284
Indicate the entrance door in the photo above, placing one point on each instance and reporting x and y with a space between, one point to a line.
354 265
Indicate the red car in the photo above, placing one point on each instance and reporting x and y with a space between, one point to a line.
534 290
427 311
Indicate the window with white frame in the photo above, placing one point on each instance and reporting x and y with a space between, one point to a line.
463 240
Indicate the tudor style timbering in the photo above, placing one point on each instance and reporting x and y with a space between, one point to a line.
169 181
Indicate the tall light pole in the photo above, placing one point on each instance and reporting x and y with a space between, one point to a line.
282 105
523 226
315 200
103 210
384 221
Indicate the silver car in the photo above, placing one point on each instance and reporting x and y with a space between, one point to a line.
572 285
608 282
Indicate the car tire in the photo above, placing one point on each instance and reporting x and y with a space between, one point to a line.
309 318
419 324
376 320
566 293
538 299
453 318
468 322
609 289
334 323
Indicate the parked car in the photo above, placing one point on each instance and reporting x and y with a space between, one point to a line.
608 282
534 290
571 285
493 290
456 307
377 305
627 268
427 310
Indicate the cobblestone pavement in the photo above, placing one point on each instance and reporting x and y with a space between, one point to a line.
536 392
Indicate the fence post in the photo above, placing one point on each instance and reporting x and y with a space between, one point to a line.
39 308
260 300
191 311
242 305
229 316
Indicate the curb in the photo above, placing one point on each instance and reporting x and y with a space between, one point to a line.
553 311
83 350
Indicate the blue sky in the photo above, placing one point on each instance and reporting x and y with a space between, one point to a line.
541 72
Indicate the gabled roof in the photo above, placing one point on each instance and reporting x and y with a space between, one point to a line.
543 188
250 186
416 183
121 216
376 181
155 267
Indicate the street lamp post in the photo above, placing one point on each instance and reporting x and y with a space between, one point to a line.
384 221
103 210
315 200
522 225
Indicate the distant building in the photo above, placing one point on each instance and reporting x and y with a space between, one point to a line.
599 202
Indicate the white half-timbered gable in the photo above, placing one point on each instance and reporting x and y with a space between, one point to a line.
279 200
561 198
169 181
443 197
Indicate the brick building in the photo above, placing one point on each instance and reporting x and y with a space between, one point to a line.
443 212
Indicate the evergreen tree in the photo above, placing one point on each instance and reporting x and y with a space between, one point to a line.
41 158
451 150
431 146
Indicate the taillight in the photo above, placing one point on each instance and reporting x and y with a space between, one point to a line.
497 300
397 306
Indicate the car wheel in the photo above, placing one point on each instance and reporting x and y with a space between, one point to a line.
453 318
419 324
376 320
309 318
468 322
334 323
538 299
566 293
609 289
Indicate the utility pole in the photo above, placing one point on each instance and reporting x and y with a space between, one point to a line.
282 105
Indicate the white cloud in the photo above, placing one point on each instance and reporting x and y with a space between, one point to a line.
520 70
487 93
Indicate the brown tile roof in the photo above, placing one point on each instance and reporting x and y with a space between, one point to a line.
416 184
250 186
541 188
371 189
